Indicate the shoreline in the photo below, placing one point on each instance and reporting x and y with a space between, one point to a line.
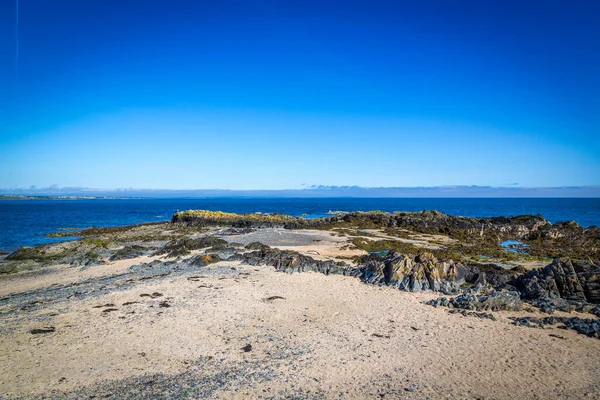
239 309
25 223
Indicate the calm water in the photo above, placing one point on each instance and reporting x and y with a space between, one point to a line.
24 223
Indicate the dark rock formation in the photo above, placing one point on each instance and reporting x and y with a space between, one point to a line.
204 260
256 246
540 237
424 221
88 259
495 301
291 261
414 273
128 252
588 274
465 313
423 271
576 281
183 246
45 329
565 239
586 326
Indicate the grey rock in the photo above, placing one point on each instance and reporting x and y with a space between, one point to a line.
292 261
495 301
578 281
129 252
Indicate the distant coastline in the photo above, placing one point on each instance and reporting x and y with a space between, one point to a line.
317 191
25 198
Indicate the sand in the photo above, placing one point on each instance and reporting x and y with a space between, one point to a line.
311 336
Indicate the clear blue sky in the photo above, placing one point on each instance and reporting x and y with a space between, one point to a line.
280 94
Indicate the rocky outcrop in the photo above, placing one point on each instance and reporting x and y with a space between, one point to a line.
256 220
588 274
424 221
129 252
89 259
291 261
183 246
577 281
423 271
414 273
565 239
437 222
540 237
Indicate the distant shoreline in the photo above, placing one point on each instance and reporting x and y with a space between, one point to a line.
240 196
452 191
27 198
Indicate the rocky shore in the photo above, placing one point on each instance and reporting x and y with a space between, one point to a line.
272 306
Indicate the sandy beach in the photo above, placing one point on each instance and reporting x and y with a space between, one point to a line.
231 330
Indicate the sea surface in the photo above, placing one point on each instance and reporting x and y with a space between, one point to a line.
26 222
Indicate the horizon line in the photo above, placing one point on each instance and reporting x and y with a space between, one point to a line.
587 191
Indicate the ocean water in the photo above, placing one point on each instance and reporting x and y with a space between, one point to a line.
25 223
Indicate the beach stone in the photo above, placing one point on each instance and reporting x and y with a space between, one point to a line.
247 348
204 260
45 329
502 300
465 313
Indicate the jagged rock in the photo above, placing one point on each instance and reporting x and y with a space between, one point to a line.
128 252
291 261
588 274
423 271
578 281
493 274
424 221
465 301
501 300
481 282
550 304
414 273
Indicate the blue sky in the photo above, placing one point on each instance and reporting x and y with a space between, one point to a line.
273 95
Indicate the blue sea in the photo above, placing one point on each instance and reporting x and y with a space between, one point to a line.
25 223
